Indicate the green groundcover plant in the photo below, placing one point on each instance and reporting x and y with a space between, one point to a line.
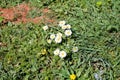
83 45
52 52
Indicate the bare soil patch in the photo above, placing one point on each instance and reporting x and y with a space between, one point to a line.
19 14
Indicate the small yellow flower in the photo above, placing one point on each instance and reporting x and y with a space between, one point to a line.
43 51
72 76
99 3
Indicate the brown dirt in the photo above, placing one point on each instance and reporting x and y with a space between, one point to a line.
19 14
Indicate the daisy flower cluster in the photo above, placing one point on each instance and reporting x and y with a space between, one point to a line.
58 36
61 54
66 28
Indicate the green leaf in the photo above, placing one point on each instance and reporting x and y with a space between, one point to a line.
1 19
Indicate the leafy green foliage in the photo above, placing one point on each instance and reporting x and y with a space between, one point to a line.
96 28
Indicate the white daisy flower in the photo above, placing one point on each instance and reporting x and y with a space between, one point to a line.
57 51
68 32
58 39
62 54
45 28
59 34
61 23
52 36
75 49
64 27
49 41
68 26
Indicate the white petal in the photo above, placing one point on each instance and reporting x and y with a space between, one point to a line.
52 36
62 54
57 51
61 23
45 28
68 32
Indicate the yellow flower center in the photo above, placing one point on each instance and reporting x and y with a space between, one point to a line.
68 32
62 54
